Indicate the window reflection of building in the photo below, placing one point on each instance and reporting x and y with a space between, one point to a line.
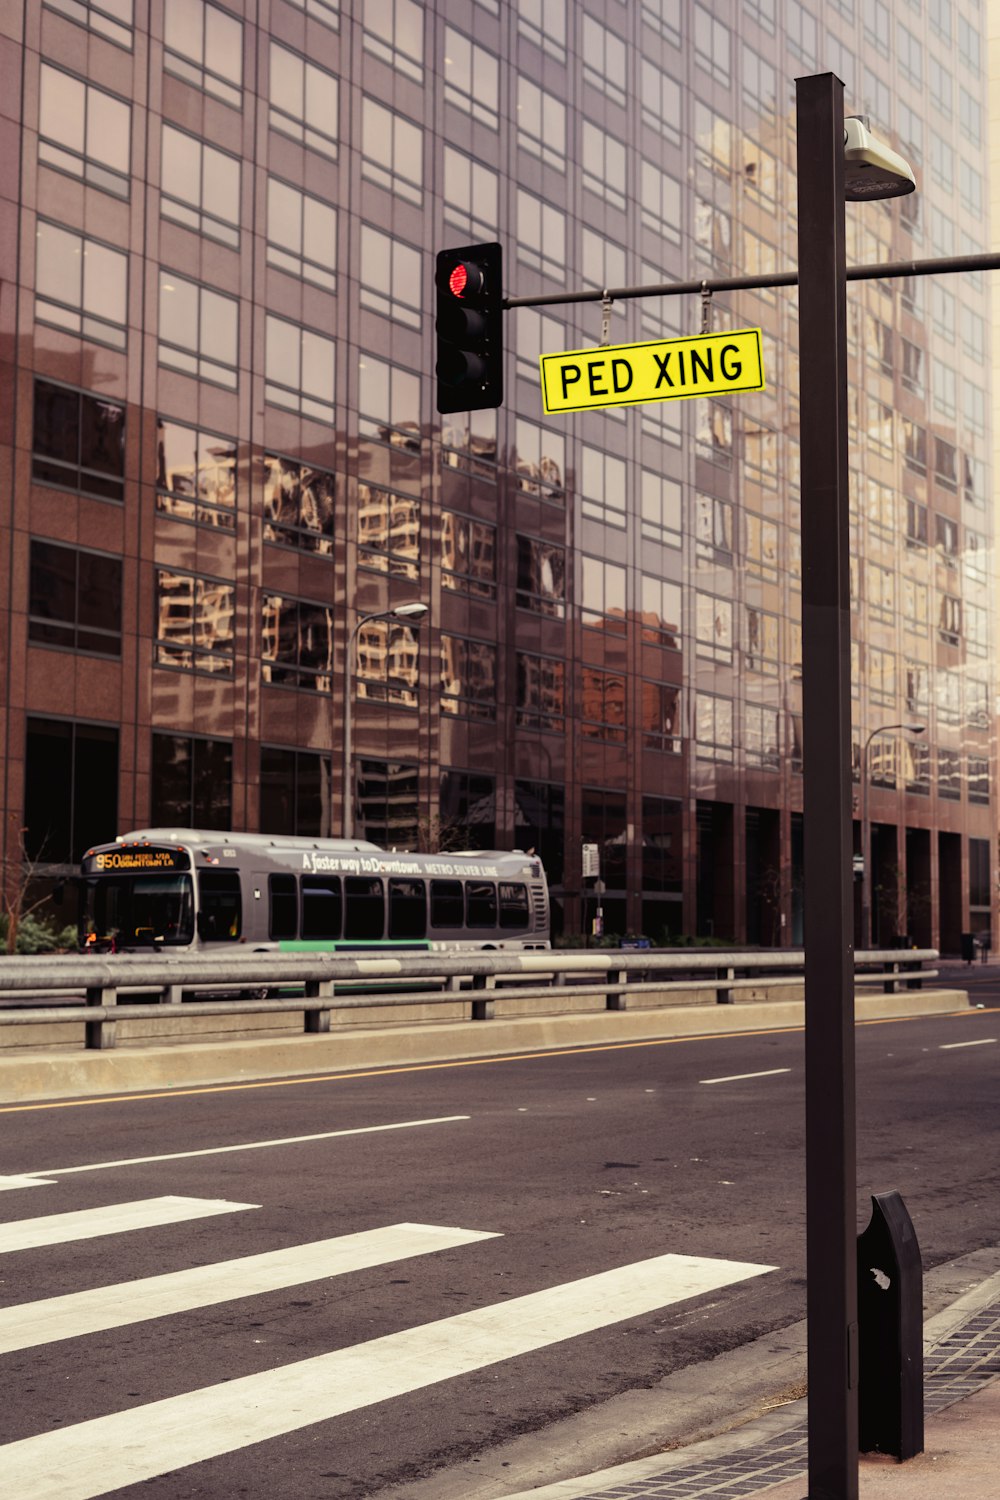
541 693
541 577
389 531
296 643
195 475
468 556
299 505
388 663
468 678
661 717
603 705
195 622
469 809
387 802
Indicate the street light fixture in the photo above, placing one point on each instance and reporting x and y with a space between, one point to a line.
410 613
866 884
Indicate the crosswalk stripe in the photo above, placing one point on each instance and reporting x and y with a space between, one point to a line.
8 1183
117 1218
32 1323
106 1453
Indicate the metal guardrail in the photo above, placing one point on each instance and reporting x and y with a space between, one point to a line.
574 974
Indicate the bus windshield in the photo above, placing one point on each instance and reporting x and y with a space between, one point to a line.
123 911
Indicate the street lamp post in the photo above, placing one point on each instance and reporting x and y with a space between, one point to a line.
866 884
411 613
826 176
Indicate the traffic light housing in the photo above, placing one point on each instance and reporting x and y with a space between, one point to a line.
469 328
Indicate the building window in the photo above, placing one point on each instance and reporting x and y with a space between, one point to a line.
544 23
389 407
541 124
541 693
713 530
391 276
304 101
979 786
199 331
81 285
714 627
327 11
108 18
949 774
977 639
761 738
195 623
540 461
539 824
660 202
948 692
387 803
388 532
602 595
603 490
200 187
603 165
661 612
541 236
301 234
75 599
541 577
661 509
471 78
296 643
762 636
191 782
83 131
663 16
713 727
394 32
471 195
70 789
392 151
300 505
603 706
603 822
604 60
294 792
661 717
78 442
711 45
760 83
204 46
468 678
469 809
300 370
468 556
761 547
195 475
388 663
881 586
660 96
949 619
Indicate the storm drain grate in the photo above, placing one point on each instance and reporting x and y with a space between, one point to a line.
958 1366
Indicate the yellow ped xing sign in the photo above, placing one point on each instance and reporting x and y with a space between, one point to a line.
707 364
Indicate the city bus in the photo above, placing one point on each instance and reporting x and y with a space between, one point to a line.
202 892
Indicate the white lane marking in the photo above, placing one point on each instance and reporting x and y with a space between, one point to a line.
736 1077
117 1218
982 1041
126 1447
7 1183
32 1323
290 1140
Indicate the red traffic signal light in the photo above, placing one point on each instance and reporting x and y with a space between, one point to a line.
469 328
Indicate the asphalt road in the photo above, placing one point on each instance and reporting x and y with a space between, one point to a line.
554 1168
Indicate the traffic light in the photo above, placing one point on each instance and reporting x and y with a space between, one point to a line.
469 328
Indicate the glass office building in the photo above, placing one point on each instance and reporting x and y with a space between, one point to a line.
221 452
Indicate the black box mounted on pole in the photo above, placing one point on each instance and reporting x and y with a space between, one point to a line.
469 327
891 1324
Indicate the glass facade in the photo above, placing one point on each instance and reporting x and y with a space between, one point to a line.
221 447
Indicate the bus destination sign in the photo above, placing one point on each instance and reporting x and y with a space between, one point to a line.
707 364
131 861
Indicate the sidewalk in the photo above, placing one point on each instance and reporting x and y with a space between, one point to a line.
768 1457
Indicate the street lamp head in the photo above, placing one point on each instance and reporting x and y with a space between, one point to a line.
915 728
414 611
871 168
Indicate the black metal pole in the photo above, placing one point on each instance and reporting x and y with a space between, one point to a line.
831 1228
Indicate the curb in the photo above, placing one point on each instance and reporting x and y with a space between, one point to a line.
48 1073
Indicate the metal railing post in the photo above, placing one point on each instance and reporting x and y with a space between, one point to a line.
100 1034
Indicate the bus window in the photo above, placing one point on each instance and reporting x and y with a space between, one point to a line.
513 905
481 899
447 905
284 906
322 905
407 909
364 916
220 915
